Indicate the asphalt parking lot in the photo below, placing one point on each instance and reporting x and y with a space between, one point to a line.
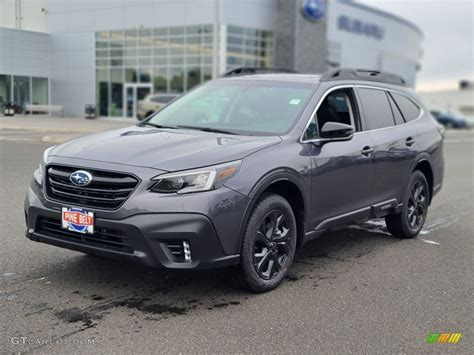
357 290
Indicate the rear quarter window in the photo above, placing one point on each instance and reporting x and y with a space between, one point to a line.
376 107
408 108
396 112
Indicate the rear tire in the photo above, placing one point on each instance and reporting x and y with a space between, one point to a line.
269 244
409 222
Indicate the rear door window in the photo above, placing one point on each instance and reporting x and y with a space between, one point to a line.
376 107
409 109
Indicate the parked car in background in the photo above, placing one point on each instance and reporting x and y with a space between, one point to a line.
9 109
450 120
153 103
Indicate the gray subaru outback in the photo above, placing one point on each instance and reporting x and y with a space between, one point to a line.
243 171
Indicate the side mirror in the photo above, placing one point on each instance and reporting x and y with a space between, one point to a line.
336 131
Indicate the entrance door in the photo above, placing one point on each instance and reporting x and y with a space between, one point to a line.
132 93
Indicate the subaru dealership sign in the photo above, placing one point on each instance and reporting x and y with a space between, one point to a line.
354 25
313 10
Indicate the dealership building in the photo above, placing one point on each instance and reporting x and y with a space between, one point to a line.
113 53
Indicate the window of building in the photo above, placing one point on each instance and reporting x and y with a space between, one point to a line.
102 91
39 91
21 90
409 109
338 106
5 89
176 79
376 107
26 90
116 91
172 59
248 47
160 79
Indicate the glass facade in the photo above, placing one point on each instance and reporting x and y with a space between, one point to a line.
168 60
39 91
172 59
21 90
5 89
248 47
24 90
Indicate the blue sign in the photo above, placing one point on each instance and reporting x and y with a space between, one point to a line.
313 10
348 24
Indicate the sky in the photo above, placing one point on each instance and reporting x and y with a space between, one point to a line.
448 43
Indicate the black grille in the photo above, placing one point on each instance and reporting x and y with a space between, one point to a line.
108 190
103 237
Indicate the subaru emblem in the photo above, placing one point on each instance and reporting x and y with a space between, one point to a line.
80 178
313 10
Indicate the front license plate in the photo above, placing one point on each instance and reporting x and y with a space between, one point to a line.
78 220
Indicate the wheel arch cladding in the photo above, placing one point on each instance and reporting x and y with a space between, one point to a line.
425 167
291 192
287 186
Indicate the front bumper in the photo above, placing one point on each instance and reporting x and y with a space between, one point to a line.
146 235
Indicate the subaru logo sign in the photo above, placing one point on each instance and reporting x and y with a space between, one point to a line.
313 10
80 178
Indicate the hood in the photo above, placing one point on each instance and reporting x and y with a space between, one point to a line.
168 150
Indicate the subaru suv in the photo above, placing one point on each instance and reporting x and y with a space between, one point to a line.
243 171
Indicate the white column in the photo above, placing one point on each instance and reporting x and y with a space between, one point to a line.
222 49
216 39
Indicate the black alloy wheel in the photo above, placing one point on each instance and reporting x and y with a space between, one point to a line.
268 245
272 245
409 222
417 203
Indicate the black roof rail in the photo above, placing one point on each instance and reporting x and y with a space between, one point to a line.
362 74
253 71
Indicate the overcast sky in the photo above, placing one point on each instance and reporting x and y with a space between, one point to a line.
448 44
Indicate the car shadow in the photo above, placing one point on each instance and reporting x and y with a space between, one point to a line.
156 294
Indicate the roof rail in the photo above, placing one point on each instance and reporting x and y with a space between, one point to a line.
253 71
362 74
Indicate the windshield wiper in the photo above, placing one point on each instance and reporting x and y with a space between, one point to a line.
207 129
155 125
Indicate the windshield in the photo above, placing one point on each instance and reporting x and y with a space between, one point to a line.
239 107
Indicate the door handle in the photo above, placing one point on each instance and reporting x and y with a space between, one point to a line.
367 151
409 141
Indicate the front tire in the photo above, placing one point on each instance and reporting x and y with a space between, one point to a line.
269 244
410 221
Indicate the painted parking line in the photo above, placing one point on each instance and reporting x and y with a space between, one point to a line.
429 241
459 140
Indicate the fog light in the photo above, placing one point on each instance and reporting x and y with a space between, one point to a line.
187 251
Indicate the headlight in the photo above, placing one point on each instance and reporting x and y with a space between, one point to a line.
196 180
39 173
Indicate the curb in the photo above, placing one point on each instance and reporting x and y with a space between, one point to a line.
56 139
53 129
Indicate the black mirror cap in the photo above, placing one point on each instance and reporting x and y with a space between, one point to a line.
336 130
